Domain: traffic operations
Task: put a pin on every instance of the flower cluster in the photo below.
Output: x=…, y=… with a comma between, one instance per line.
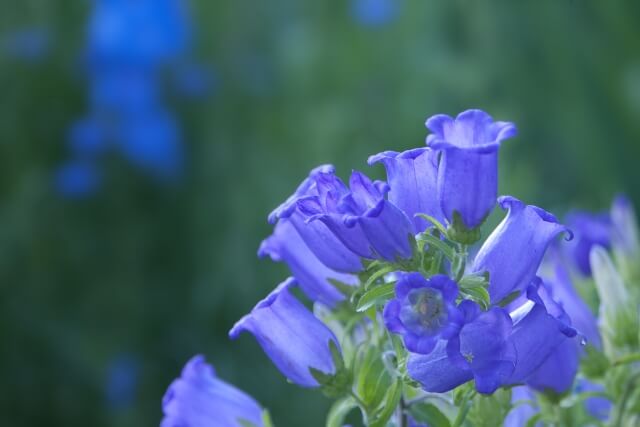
x=403, y=312
x=129, y=46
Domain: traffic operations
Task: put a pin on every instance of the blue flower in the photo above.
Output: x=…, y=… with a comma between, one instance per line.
x=319, y=239
x=557, y=372
x=152, y=142
x=523, y=408
x=598, y=407
x=374, y=13
x=199, y=399
x=361, y=217
x=468, y=172
x=582, y=318
x=285, y=244
x=122, y=91
x=293, y=338
x=412, y=176
x=423, y=311
x=480, y=351
x=88, y=137
x=514, y=250
x=145, y=32
x=77, y=179
x=589, y=230
x=540, y=326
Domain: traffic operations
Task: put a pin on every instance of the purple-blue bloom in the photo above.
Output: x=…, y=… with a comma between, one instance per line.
x=199, y=399
x=480, y=351
x=412, y=176
x=77, y=179
x=597, y=407
x=374, y=13
x=514, y=250
x=286, y=245
x=293, y=338
x=557, y=372
x=540, y=326
x=88, y=137
x=468, y=172
x=320, y=240
x=423, y=311
x=482, y=346
x=361, y=217
x=522, y=399
x=589, y=230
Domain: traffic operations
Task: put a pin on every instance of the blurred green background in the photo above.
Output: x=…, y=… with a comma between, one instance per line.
x=136, y=278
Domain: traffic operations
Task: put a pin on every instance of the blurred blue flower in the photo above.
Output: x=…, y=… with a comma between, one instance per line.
x=200, y=399
x=412, y=176
x=423, y=311
x=293, y=338
x=152, y=142
x=598, y=407
x=374, y=13
x=121, y=91
x=285, y=244
x=29, y=44
x=142, y=32
x=77, y=179
x=88, y=137
x=513, y=252
x=468, y=172
x=589, y=229
x=122, y=381
x=523, y=408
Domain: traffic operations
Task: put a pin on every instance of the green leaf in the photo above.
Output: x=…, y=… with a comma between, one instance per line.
x=378, y=274
x=376, y=295
x=437, y=243
x=339, y=410
x=266, y=419
x=430, y=414
x=344, y=288
x=474, y=281
x=372, y=378
x=433, y=221
x=389, y=405
x=479, y=295
x=533, y=420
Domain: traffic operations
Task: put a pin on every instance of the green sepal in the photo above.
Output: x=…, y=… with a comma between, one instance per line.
x=333, y=385
x=594, y=363
x=474, y=281
x=429, y=414
x=458, y=232
x=377, y=295
x=439, y=226
x=490, y=410
x=339, y=410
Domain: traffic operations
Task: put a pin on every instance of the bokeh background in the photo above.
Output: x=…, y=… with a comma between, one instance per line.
x=143, y=143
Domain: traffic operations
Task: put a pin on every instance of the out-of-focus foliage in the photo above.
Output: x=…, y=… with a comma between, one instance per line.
x=104, y=298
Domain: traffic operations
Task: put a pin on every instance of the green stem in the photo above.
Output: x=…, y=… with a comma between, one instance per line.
x=619, y=414
x=629, y=358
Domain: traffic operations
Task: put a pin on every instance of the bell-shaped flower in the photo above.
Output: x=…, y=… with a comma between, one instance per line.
x=558, y=371
x=480, y=351
x=293, y=338
x=540, y=326
x=598, y=407
x=200, y=399
x=582, y=318
x=468, y=172
x=412, y=176
x=362, y=218
x=589, y=229
x=286, y=245
x=514, y=250
x=319, y=239
x=423, y=311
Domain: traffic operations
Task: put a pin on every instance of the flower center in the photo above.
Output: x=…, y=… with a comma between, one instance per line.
x=423, y=311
